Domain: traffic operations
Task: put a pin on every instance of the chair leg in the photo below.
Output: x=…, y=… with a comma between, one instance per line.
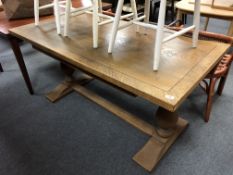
x=115, y=25
x=147, y=11
x=100, y=6
x=210, y=95
x=196, y=22
x=1, y=69
x=95, y=23
x=36, y=12
x=57, y=16
x=159, y=35
x=184, y=18
x=151, y=10
x=67, y=17
x=135, y=12
x=154, y=12
x=173, y=10
x=222, y=83
x=206, y=23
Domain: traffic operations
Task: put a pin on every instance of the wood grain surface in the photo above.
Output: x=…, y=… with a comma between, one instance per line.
x=206, y=10
x=130, y=65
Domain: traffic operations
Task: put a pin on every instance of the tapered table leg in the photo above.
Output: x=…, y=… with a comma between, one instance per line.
x=19, y=57
x=168, y=127
x=1, y=69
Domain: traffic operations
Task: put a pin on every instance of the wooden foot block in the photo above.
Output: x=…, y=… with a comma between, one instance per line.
x=66, y=87
x=59, y=92
x=157, y=146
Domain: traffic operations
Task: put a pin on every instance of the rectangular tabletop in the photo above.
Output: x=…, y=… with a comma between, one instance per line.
x=130, y=65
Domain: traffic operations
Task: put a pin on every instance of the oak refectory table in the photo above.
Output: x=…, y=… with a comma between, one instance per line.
x=130, y=68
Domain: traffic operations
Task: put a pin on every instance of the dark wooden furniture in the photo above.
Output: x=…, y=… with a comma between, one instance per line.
x=155, y=4
x=130, y=68
x=5, y=26
x=1, y=9
x=1, y=69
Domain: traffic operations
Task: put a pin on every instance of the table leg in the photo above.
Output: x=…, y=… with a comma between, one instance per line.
x=19, y=57
x=173, y=9
x=230, y=30
x=168, y=127
x=66, y=86
x=206, y=23
x=179, y=16
x=1, y=69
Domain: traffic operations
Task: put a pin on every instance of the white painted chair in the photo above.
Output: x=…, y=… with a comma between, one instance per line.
x=159, y=40
x=97, y=16
x=56, y=5
x=95, y=9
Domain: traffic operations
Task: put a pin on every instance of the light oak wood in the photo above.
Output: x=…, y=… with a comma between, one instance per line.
x=223, y=4
x=230, y=30
x=67, y=85
x=168, y=125
x=206, y=10
x=151, y=153
x=130, y=66
x=118, y=111
x=226, y=4
x=206, y=23
x=60, y=91
x=187, y=6
x=167, y=122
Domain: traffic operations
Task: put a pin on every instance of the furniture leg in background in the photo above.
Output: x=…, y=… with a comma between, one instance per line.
x=179, y=17
x=206, y=23
x=230, y=30
x=19, y=57
x=1, y=69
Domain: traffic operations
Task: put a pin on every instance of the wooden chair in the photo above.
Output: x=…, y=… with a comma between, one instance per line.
x=98, y=17
x=54, y=4
x=81, y=10
x=95, y=7
x=218, y=75
x=220, y=72
x=159, y=39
